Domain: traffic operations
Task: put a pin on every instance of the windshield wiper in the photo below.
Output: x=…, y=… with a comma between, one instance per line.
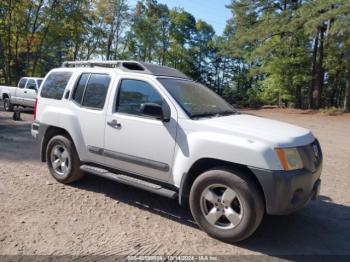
x=204, y=115
x=227, y=113
x=212, y=114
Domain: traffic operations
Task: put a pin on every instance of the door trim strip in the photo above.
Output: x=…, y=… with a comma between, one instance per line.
x=128, y=158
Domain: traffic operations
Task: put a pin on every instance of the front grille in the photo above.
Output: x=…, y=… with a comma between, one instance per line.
x=311, y=155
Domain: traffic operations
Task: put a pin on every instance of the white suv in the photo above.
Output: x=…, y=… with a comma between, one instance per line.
x=152, y=127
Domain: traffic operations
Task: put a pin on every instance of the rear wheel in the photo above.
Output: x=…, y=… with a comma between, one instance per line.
x=8, y=106
x=63, y=160
x=226, y=204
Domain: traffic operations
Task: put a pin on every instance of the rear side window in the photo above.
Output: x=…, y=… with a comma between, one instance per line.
x=22, y=83
x=79, y=89
x=96, y=91
x=39, y=82
x=55, y=85
x=91, y=90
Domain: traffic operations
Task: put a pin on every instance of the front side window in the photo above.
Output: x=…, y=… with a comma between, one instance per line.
x=196, y=99
x=134, y=93
x=55, y=84
x=22, y=83
x=31, y=84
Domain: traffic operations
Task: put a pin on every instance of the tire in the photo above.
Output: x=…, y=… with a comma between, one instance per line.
x=63, y=160
x=234, y=211
x=8, y=106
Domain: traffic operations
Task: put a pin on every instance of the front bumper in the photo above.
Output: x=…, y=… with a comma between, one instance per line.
x=288, y=191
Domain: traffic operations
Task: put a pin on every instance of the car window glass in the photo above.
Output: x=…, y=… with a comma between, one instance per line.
x=96, y=91
x=133, y=93
x=55, y=84
x=39, y=82
x=31, y=84
x=196, y=99
x=79, y=89
x=22, y=83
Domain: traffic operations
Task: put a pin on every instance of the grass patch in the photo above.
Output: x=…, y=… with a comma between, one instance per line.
x=331, y=111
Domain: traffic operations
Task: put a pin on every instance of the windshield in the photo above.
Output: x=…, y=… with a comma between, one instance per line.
x=196, y=99
x=39, y=82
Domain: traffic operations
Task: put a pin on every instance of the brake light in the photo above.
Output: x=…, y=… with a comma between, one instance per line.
x=35, y=105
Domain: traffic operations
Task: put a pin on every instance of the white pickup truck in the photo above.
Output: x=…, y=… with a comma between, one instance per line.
x=24, y=94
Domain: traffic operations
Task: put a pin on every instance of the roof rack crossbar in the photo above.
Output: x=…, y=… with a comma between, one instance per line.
x=129, y=66
x=91, y=63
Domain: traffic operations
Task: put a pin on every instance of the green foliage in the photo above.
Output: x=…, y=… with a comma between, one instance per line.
x=275, y=52
x=331, y=111
x=296, y=50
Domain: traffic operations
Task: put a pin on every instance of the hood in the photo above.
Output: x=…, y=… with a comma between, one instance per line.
x=275, y=133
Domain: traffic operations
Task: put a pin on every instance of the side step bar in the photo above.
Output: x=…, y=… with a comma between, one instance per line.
x=132, y=181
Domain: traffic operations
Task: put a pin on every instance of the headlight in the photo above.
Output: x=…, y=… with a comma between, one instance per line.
x=289, y=158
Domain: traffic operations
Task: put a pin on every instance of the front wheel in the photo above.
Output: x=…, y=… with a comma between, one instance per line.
x=8, y=106
x=226, y=204
x=63, y=160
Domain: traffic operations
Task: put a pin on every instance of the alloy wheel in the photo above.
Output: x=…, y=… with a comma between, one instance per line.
x=60, y=160
x=221, y=206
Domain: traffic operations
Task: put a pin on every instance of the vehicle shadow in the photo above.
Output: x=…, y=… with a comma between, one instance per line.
x=322, y=228
x=165, y=207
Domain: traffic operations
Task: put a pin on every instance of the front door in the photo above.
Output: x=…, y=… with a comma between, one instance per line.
x=19, y=93
x=136, y=143
x=29, y=93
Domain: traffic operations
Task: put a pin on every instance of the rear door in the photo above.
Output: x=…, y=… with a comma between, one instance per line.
x=29, y=93
x=88, y=102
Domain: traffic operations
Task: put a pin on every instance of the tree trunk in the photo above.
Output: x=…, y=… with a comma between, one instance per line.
x=38, y=51
x=332, y=98
x=298, y=98
x=34, y=28
x=111, y=32
x=313, y=72
x=317, y=94
x=347, y=91
x=9, y=47
x=17, y=73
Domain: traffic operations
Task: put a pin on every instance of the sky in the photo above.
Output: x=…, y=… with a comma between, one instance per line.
x=213, y=12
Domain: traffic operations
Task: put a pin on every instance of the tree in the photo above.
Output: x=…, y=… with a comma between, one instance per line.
x=182, y=28
x=115, y=16
x=272, y=51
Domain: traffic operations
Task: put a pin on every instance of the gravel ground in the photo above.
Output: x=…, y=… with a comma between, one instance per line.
x=101, y=217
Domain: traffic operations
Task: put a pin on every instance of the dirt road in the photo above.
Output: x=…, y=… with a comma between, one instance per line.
x=101, y=217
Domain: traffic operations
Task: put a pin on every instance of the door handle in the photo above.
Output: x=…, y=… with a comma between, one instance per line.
x=114, y=123
x=25, y=92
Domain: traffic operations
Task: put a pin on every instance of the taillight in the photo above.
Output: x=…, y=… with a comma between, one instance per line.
x=35, y=105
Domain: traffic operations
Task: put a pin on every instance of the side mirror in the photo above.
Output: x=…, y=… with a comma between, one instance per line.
x=156, y=111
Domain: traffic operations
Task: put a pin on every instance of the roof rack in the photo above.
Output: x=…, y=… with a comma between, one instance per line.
x=130, y=66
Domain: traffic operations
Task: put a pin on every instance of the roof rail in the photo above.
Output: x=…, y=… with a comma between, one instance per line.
x=130, y=66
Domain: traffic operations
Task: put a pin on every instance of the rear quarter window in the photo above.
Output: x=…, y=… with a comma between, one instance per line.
x=55, y=84
x=96, y=91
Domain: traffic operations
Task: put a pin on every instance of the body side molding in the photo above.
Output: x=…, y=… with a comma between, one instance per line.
x=128, y=158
